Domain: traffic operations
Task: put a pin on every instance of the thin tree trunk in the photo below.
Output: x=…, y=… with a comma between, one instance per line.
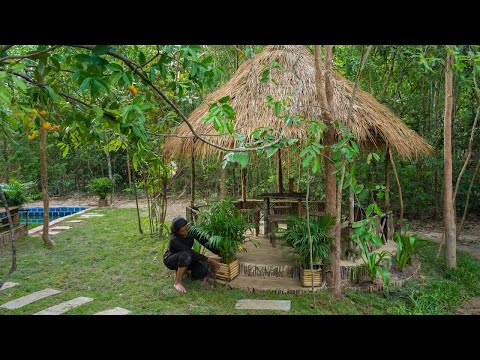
x=460, y=227
x=338, y=233
x=12, y=239
x=469, y=154
x=138, y=210
x=129, y=173
x=310, y=243
x=387, y=181
x=192, y=179
x=384, y=91
x=6, y=157
x=400, y=196
x=163, y=212
x=448, y=209
x=351, y=214
x=46, y=199
x=109, y=167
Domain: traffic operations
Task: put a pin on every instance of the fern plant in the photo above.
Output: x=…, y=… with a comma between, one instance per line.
x=223, y=224
x=16, y=192
x=405, y=249
x=296, y=236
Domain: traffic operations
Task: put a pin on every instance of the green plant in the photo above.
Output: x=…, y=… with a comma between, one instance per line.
x=364, y=236
x=101, y=187
x=16, y=192
x=405, y=249
x=223, y=224
x=296, y=236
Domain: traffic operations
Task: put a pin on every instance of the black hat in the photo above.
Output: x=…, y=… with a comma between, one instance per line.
x=178, y=222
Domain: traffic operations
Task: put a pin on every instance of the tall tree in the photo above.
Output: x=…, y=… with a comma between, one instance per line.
x=448, y=210
x=324, y=94
x=46, y=199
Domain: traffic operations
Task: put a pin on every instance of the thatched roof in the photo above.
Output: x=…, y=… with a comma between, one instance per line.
x=372, y=123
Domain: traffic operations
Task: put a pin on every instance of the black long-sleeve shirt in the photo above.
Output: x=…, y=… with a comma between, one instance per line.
x=179, y=243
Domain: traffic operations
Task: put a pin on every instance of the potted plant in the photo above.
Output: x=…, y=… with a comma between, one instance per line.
x=297, y=237
x=101, y=187
x=16, y=194
x=223, y=224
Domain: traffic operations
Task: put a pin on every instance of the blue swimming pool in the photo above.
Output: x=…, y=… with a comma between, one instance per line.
x=35, y=214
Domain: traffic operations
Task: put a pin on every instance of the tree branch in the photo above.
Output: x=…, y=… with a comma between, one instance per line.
x=31, y=55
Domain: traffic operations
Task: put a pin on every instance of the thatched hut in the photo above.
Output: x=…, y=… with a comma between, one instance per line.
x=371, y=122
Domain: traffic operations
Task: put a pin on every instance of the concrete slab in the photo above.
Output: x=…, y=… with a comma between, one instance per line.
x=114, y=311
x=279, y=305
x=75, y=221
x=61, y=227
x=54, y=232
x=25, y=300
x=65, y=306
x=90, y=215
x=8, y=285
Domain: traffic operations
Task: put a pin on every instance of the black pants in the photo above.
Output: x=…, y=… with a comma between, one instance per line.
x=184, y=259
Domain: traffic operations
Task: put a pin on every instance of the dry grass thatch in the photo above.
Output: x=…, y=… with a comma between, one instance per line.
x=372, y=123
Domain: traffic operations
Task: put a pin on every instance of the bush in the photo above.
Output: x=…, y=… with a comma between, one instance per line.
x=101, y=187
x=296, y=236
x=16, y=192
x=223, y=224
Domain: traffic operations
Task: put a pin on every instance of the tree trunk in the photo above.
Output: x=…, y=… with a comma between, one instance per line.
x=43, y=164
x=243, y=175
x=12, y=239
x=138, y=209
x=129, y=172
x=400, y=196
x=448, y=209
x=109, y=167
x=387, y=181
x=6, y=179
x=192, y=179
x=460, y=227
x=323, y=95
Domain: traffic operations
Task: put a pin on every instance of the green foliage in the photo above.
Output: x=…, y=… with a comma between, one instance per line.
x=296, y=236
x=405, y=249
x=16, y=192
x=101, y=187
x=223, y=224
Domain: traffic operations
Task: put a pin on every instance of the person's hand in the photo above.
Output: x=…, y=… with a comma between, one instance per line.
x=215, y=264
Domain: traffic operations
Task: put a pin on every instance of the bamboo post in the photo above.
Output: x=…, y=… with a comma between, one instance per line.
x=280, y=172
x=192, y=179
x=243, y=173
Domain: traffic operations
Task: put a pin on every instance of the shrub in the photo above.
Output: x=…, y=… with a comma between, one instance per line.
x=296, y=236
x=101, y=187
x=223, y=224
x=16, y=192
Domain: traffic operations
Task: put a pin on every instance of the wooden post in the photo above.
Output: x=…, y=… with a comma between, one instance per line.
x=266, y=205
x=223, y=185
x=243, y=173
x=280, y=172
x=387, y=190
x=192, y=180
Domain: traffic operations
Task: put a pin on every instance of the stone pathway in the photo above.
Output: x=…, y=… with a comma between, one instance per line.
x=65, y=306
x=56, y=309
x=8, y=285
x=280, y=305
x=114, y=311
x=75, y=221
x=25, y=300
x=61, y=227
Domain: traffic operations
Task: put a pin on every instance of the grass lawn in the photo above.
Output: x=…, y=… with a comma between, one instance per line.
x=105, y=258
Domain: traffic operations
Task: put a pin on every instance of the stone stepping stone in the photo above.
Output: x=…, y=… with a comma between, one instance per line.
x=114, y=311
x=61, y=227
x=90, y=215
x=65, y=306
x=75, y=221
x=280, y=305
x=8, y=285
x=25, y=300
x=53, y=232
